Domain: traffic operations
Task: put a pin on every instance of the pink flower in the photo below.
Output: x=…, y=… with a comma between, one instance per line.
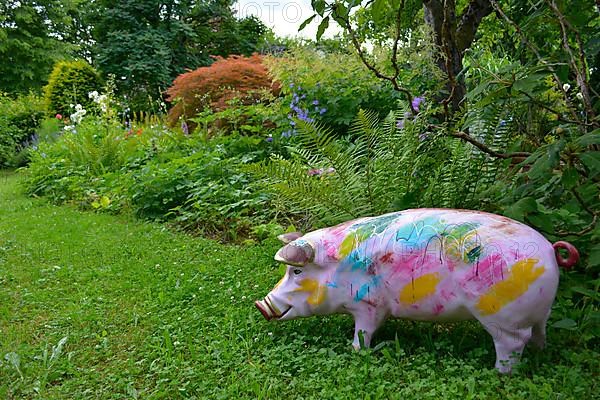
x=58, y=116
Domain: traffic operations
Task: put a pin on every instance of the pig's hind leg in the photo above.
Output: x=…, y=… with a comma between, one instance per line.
x=509, y=343
x=538, y=334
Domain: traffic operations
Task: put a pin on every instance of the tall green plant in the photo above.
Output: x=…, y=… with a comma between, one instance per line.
x=380, y=166
x=69, y=84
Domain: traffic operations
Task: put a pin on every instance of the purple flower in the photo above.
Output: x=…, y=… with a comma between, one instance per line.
x=291, y=85
x=502, y=123
x=400, y=124
x=315, y=102
x=287, y=134
x=269, y=139
x=185, y=128
x=423, y=136
x=322, y=111
x=303, y=115
x=416, y=102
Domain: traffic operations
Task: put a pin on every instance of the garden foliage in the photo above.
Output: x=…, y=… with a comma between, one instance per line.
x=244, y=79
x=69, y=84
x=146, y=44
x=32, y=39
x=330, y=87
x=156, y=174
x=379, y=166
x=353, y=136
x=19, y=119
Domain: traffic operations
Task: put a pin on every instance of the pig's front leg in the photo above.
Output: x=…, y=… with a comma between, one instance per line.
x=366, y=322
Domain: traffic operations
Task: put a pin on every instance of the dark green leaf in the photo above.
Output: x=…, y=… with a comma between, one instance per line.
x=550, y=156
x=592, y=161
x=542, y=221
x=306, y=22
x=322, y=26
x=318, y=6
x=594, y=259
x=589, y=138
x=587, y=292
x=521, y=208
x=566, y=323
x=378, y=9
x=569, y=178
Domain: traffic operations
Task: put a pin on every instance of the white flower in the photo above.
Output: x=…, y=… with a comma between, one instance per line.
x=93, y=95
x=566, y=87
x=69, y=128
x=579, y=96
x=78, y=115
x=101, y=99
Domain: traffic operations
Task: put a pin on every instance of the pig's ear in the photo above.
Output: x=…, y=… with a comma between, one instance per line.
x=297, y=253
x=290, y=237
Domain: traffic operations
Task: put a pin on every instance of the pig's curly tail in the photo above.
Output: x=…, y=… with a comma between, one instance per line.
x=573, y=254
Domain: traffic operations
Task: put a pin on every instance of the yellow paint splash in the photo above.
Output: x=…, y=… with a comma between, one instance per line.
x=317, y=293
x=522, y=274
x=352, y=241
x=420, y=288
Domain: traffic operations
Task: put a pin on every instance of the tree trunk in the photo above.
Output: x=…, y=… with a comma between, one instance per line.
x=452, y=36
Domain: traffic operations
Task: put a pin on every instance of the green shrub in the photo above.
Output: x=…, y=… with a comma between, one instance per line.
x=380, y=166
x=195, y=182
x=204, y=189
x=76, y=163
x=69, y=84
x=19, y=119
x=329, y=87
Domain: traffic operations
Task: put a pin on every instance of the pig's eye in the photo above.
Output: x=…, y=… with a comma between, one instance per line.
x=297, y=271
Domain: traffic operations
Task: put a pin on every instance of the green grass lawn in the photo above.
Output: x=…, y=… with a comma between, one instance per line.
x=95, y=306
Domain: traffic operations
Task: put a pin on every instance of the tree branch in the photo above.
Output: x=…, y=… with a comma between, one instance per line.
x=580, y=70
x=361, y=54
x=484, y=148
x=397, y=41
x=535, y=51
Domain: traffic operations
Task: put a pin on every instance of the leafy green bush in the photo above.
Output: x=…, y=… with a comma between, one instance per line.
x=329, y=87
x=380, y=166
x=69, y=84
x=195, y=182
x=205, y=190
x=75, y=164
x=19, y=119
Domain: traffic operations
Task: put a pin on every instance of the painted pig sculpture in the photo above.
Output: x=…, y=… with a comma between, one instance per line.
x=428, y=265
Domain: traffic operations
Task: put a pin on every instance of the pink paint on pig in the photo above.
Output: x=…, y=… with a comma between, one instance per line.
x=428, y=265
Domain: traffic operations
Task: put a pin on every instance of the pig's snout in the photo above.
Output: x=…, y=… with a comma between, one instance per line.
x=264, y=309
x=268, y=309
